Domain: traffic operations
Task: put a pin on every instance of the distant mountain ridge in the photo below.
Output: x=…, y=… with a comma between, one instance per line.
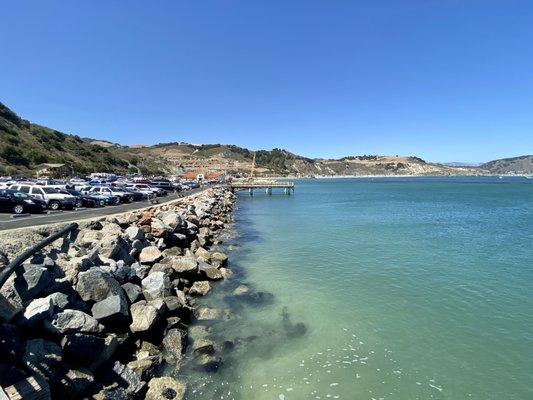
x=514, y=165
x=24, y=145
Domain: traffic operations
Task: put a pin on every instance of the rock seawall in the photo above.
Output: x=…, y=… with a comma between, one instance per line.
x=104, y=312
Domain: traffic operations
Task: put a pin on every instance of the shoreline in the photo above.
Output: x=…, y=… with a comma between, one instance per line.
x=106, y=311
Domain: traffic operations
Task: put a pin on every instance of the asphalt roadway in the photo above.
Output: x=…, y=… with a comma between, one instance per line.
x=8, y=222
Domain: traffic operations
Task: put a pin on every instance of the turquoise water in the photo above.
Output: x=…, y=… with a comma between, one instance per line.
x=418, y=288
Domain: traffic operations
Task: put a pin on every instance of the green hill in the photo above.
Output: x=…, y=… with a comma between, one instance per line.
x=24, y=145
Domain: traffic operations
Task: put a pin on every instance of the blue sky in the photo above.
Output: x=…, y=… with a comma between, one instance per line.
x=444, y=80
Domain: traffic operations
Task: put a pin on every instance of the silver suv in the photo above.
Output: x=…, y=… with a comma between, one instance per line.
x=53, y=198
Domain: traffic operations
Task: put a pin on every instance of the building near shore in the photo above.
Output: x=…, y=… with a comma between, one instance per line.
x=52, y=170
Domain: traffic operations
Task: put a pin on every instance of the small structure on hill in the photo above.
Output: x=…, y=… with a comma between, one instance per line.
x=52, y=170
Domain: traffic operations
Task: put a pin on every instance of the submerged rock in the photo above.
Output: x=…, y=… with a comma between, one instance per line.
x=200, y=288
x=165, y=388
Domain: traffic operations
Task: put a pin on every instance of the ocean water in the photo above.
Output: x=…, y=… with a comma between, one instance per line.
x=401, y=288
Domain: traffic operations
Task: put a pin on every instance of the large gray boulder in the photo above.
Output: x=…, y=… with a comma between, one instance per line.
x=96, y=285
x=172, y=220
x=144, y=316
x=155, y=286
x=33, y=281
x=73, y=321
x=185, y=264
x=112, y=310
x=150, y=255
x=132, y=291
x=130, y=380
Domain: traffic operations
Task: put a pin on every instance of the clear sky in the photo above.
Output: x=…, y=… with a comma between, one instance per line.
x=447, y=80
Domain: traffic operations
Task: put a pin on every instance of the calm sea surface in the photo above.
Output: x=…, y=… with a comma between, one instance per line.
x=405, y=288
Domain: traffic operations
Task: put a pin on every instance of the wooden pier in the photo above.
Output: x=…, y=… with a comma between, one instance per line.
x=268, y=186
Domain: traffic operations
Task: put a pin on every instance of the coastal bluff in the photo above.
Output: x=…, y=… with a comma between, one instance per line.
x=104, y=312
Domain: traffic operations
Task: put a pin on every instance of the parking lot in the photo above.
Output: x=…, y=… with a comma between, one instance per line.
x=7, y=221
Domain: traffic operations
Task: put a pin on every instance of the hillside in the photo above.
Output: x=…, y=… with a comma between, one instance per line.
x=24, y=145
x=514, y=165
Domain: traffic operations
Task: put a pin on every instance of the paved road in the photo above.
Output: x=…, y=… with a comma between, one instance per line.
x=7, y=222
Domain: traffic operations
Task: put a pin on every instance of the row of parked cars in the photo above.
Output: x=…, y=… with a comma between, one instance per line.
x=32, y=197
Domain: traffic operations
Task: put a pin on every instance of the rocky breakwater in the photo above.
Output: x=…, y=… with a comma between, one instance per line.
x=104, y=312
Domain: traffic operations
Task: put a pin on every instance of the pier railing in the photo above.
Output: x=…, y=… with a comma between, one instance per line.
x=250, y=185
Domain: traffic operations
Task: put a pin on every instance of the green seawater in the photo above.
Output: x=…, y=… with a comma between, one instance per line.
x=401, y=288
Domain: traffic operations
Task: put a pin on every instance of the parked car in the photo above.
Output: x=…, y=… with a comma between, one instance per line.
x=19, y=202
x=136, y=194
x=144, y=188
x=124, y=197
x=54, y=199
x=84, y=200
x=166, y=185
x=53, y=183
x=108, y=200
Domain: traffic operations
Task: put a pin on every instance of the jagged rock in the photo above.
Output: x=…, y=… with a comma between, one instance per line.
x=112, y=310
x=71, y=267
x=200, y=288
x=209, y=272
x=134, y=233
x=132, y=291
x=172, y=220
x=96, y=285
x=174, y=303
x=203, y=254
x=165, y=388
x=59, y=300
x=88, y=350
x=71, y=382
x=144, y=368
x=150, y=255
x=143, y=315
x=159, y=229
x=155, y=285
x=42, y=356
x=33, y=281
x=11, y=344
x=37, y=310
x=10, y=300
x=207, y=314
x=219, y=259
x=140, y=270
x=112, y=228
x=159, y=305
x=128, y=378
x=73, y=321
x=185, y=264
x=173, y=344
